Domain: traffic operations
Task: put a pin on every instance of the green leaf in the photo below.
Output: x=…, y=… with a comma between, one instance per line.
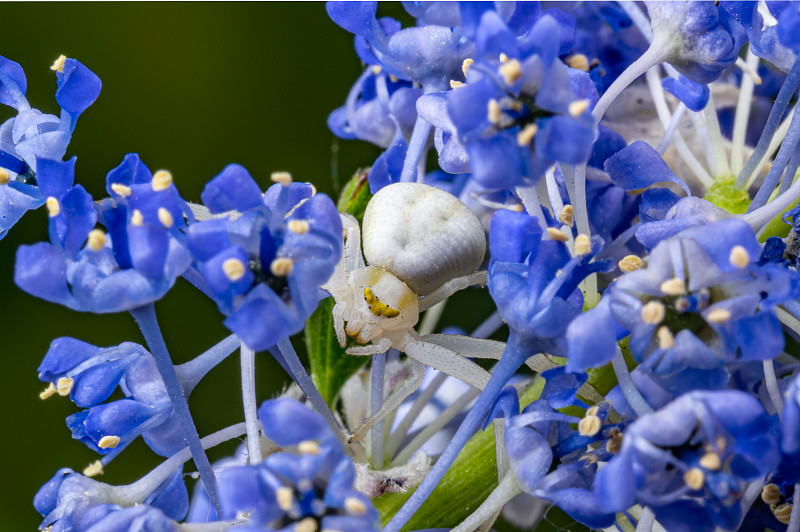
x=471, y=479
x=356, y=195
x=330, y=365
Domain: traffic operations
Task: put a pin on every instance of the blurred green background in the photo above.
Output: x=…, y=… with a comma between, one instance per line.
x=191, y=87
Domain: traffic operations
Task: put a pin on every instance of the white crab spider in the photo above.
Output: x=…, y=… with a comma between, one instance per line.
x=422, y=245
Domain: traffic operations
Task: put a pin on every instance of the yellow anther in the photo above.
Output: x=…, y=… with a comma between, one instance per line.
x=455, y=84
x=136, y=217
x=108, y=442
x=614, y=445
x=739, y=257
x=64, y=386
x=376, y=69
x=93, y=469
x=284, y=178
x=526, y=134
x=511, y=71
x=308, y=447
x=282, y=266
x=53, y=207
x=5, y=177
x=298, y=227
x=630, y=263
x=695, y=478
x=165, y=217
x=285, y=497
x=718, y=315
x=355, y=506
x=48, y=392
x=590, y=425
x=771, y=494
x=673, y=287
x=58, y=64
x=583, y=246
x=653, y=312
x=783, y=513
x=579, y=61
x=493, y=112
x=161, y=180
x=665, y=338
x=120, y=189
x=377, y=307
x=96, y=240
x=503, y=57
x=567, y=215
x=466, y=64
x=556, y=234
x=711, y=461
x=306, y=525
x=578, y=107
x=517, y=207
x=234, y=269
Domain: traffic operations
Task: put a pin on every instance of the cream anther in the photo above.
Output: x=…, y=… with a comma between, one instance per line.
x=234, y=269
x=306, y=525
x=493, y=112
x=282, y=266
x=48, y=392
x=718, y=315
x=376, y=69
x=578, y=107
x=583, y=246
x=136, y=218
x=526, y=134
x=739, y=257
x=673, y=287
x=93, y=469
x=308, y=447
x=511, y=71
x=285, y=497
x=53, y=208
x=592, y=411
x=108, y=442
x=58, y=64
x=313, y=189
x=298, y=227
x=455, y=84
x=96, y=240
x=165, y=217
x=567, y=215
x=630, y=263
x=665, y=338
x=5, y=177
x=120, y=189
x=355, y=506
x=711, y=461
x=503, y=58
x=771, y=494
x=590, y=425
x=161, y=180
x=64, y=386
x=783, y=513
x=466, y=64
x=579, y=61
x=284, y=178
x=556, y=234
x=694, y=478
x=653, y=312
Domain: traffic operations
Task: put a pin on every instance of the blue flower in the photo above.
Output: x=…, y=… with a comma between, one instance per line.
x=700, y=303
x=264, y=268
x=32, y=136
x=136, y=263
x=690, y=461
x=309, y=482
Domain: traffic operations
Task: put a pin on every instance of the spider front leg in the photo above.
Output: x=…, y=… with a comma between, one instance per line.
x=451, y=287
x=380, y=346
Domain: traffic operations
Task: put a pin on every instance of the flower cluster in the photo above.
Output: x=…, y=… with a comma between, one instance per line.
x=637, y=360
